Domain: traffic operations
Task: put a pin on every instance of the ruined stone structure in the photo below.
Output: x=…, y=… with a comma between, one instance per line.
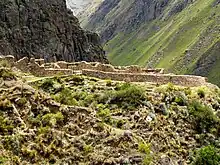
x=37, y=67
x=183, y=80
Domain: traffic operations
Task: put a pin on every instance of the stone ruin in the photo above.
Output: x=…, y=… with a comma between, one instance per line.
x=132, y=73
x=36, y=67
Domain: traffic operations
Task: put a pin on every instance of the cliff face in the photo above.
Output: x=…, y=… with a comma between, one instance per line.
x=181, y=36
x=45, y=29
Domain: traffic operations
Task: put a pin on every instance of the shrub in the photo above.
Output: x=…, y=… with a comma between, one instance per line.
x=87, y=149
x=5, y=104
x=47, y=84
x=80, y=95
x=146, y=149
x=147, y=160
x=181, y=99
x=29, y=153
x=3, y=160
x=44, y=130
x=104, y=113
x=75, y=80
x=120, y=123
x=6, y=126
x=208, y=155
x=5, y=64
x=88, y=99
x=66, y=97
x=205, y=119
x=170, y=87
x=125, y=96
x=52, y=119
x=22, y=101
x=201, y=92
x=6, y=74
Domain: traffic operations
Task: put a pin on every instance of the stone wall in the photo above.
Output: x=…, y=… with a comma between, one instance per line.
x=183, y=80
x=108, y=67
x=103, y=71
x=86, y=65
x=33, y=66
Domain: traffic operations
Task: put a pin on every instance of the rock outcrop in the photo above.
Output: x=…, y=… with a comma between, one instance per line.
x=45, y=29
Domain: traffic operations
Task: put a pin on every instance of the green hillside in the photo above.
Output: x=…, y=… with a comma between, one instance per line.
x=186, y=42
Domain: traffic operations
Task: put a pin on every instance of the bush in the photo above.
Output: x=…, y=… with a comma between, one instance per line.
x=3, y=160
x=47, y=84
x=5, y=104
x=88, y=100
x=75, y=80
x=147, y=160
x=52, y=119
x=125, y=96
x=87, y=149
x=170, y=87
x=208, y=155
x=6, y=74
x=6, y=126
x=22, y=101
x=205, y=119
x=5, y=64
x=120, y=123
x=66, y=97
x=104, y=113
x=146, y=149
x=201, y=92
x=181, y=99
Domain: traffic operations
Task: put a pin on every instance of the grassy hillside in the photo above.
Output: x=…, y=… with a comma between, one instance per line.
x=179, y=43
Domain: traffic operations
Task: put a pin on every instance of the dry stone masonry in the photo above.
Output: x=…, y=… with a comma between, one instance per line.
x=38, y=67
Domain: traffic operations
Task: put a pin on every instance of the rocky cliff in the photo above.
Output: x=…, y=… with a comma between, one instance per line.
x=45, y=29
x=181, y=36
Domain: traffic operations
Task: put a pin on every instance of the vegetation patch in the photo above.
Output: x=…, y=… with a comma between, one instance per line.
x=126, y=96
x=208, y=155
x=65, y=96
x=6, y=74
x=204, y=117
x=146, y=149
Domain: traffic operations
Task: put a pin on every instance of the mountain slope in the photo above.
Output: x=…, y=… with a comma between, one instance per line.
x=174, y=34
x=83, y=8
x=77, y=6
x=46, y=29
